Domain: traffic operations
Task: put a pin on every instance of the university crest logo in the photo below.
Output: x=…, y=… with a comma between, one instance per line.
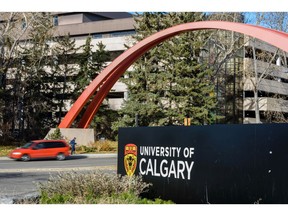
x=130, y=158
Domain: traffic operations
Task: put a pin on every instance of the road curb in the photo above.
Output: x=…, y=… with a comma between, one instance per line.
x=97, y=155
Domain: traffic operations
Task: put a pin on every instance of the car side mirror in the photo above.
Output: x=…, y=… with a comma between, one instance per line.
x=34, y=148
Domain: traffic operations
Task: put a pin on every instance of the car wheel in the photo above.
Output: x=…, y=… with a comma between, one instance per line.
x=60, y=156
x=25, y=157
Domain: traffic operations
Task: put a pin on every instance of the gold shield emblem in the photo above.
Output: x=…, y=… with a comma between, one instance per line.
x=130, y=158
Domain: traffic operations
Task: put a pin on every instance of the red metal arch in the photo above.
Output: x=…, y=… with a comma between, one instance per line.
x=109, y=76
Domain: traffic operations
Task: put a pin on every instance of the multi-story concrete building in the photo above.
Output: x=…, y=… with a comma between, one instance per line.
x=271, y=82
x=235, y=81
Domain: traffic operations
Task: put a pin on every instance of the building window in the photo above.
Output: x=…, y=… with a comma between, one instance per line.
x=113, y=34
x=55, y=20
x=97, y=36
x=122, y=33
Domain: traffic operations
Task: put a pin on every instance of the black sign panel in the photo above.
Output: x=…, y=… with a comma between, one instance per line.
x=209, y=164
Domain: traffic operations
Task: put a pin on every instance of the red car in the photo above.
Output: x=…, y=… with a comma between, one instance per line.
x=36, y=149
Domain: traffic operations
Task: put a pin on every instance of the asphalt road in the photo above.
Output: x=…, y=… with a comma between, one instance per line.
x=19, y=179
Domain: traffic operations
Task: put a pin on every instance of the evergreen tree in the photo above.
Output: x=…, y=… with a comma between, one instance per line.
x=188, y=87
x=170, y=81
x=143, y=95
x=91, y=63
x=56, y=135
x=64, y=69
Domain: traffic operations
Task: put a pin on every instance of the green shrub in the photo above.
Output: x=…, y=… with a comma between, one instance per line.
x=4, y=150
x=98, y=146
x=94, y=187
x=56, y=135
x=106, y=146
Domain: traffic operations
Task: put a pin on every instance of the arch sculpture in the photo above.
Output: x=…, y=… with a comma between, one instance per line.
x=109, y=76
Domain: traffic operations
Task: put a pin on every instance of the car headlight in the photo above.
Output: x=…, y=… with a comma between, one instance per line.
x=16, y=153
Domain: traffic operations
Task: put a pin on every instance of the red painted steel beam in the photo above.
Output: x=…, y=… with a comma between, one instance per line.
x=109, y=76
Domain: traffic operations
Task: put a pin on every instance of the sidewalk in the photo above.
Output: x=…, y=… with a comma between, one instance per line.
x=100, y=155
x=103, y=155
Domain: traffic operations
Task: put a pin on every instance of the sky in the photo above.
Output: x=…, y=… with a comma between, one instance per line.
x=146, y=5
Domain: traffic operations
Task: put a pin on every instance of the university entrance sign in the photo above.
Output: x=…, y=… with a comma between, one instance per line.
x=209, y=164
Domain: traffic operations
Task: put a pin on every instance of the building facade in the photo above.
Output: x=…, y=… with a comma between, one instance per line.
x=270, y=80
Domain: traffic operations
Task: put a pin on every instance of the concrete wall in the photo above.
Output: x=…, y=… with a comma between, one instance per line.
x=93, y=27
x=83, y=136
x=70, y=19
x=266, y=85
x=266, y=104
x=259, y=44
x=273, y=70
x=111, y=43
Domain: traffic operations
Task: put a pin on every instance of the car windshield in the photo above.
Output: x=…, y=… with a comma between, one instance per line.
x=27, y=145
